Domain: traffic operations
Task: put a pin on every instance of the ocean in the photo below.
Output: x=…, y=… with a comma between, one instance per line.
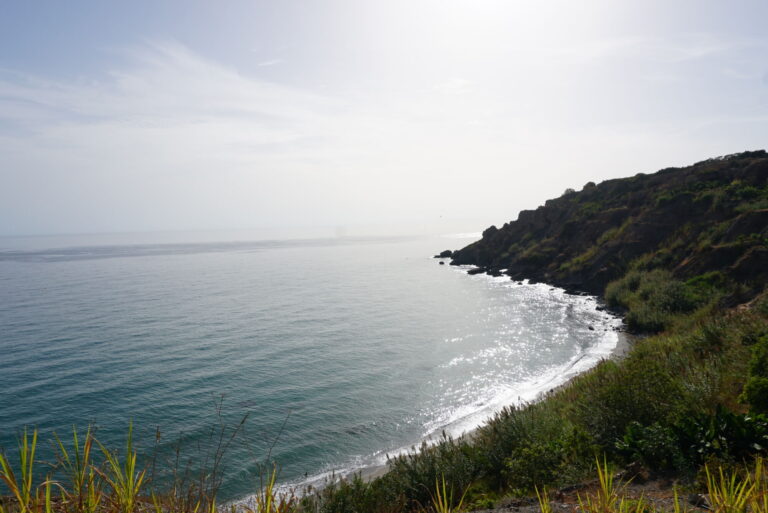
x=336, y=352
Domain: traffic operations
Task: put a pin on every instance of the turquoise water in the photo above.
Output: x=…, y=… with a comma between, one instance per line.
x=339, y=351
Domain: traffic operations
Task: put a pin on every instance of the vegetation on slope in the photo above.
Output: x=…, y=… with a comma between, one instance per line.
x=710, y=216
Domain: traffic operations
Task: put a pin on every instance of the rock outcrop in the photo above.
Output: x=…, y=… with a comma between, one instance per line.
x=711, y=216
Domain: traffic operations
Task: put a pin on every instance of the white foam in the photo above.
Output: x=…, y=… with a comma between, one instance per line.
x=469, y=417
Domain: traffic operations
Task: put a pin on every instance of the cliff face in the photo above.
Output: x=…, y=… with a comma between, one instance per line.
x=711, y=216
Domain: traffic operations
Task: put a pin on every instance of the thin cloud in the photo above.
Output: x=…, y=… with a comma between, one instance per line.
x=270, y=62
x=167, y=87
x=454, y=86
x=167, y=139
x=670, y=49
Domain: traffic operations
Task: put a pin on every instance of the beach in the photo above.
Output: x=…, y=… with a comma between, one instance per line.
x=623, y=344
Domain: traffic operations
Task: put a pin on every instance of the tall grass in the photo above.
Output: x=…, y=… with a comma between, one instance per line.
x=545, y=505
x=20, y=484
x=738, y=491
x=85, y=490
x=610, y=497
x=272, y=500
x=124, y=478
x=729, y=494
x=444, y=500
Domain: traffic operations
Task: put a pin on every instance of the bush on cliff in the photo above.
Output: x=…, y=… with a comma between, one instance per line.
x=652, y=299
x=755, y=391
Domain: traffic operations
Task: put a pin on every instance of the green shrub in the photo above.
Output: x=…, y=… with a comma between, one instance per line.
x=352, y=496
x=413, y=475
x=618, y=293
x=755, y=393
x=655, y=446
x=675, y=297
x=725, y=435
x=646, y=319
x=708, y=338
x=589, y=208
x=691, y=441
x=758, y=364
x=641, y=389
x=750, y=206
x=512, y=432
x=653, y=298
x=533, y=464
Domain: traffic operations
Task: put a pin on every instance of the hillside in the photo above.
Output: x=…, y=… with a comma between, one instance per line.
x=711, y=216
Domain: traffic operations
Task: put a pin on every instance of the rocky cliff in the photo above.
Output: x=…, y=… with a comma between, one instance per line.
x=711, y=216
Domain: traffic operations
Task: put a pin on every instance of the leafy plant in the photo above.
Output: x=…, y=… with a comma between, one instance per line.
x=443, y=500
x=270, y=500
x=610, y=497
x=545, y=505
x=655, y=446
x=124, y=478
x=85, y=491
x=724, y=434
x=21, y=488
x=729, y=494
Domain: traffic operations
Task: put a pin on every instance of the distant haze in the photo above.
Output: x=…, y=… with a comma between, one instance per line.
x=348, y=117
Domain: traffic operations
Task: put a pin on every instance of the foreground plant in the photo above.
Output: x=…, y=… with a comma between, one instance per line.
x=443, y=498
x=271, y=500
x=86, y=490
x=21, y=488
x=124, y=478
x=544, y=503
x=610, y=497
x=758, y=502
x=734, y=493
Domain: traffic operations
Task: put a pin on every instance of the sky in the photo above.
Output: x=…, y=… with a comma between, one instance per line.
x=357, y=116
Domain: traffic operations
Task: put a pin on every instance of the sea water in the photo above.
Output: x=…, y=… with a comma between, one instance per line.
x=336, y=352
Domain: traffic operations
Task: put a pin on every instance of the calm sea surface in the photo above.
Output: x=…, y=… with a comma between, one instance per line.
x=339, y=351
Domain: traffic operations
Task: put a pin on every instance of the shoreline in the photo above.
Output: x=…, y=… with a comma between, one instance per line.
x=624, y=343
x=623, y=346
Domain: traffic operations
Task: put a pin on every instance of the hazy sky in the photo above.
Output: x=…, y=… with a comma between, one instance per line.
x=178, y=115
